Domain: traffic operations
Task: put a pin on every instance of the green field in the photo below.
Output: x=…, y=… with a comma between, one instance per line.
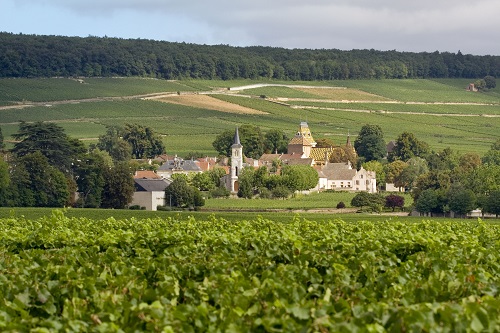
x=187, y=129
x=13, y=91
x=191, y=274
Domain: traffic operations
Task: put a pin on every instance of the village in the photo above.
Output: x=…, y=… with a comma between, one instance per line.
x=150, y=185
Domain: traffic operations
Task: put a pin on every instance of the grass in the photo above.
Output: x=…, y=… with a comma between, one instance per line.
x=187, y=129
x=45, y=90
x=278, y=217
x=322, y=200
x=416, y=90
x=462, y=109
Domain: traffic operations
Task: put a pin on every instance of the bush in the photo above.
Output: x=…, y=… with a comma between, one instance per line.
x=264, y=193
x=341, y=205
x=220, y=192
x=137, y=207
x=281, y=192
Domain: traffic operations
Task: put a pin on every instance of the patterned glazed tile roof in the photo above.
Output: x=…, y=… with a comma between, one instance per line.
x=300, y=140
x=320, y=154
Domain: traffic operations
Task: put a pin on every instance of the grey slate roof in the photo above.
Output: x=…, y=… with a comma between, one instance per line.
x=186, y=165
x=338, y=171
x=151, y=185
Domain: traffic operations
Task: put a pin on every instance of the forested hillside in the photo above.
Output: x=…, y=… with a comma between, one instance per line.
x=49, y=56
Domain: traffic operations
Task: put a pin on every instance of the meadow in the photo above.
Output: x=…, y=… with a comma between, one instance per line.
x=85, y=109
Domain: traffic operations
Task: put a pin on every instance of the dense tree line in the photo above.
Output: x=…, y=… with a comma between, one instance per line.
x=439, y=181
x=49, y=56
x=47, y=168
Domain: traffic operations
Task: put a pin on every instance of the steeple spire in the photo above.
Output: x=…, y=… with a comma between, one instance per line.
x=236, y=140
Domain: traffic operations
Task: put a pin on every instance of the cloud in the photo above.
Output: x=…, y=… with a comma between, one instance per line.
x=424, y=25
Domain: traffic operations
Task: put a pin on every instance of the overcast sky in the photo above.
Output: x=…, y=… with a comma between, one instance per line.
x=471, y=26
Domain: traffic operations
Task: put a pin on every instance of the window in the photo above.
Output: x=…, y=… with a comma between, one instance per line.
x=357, y=182
x=361, y=176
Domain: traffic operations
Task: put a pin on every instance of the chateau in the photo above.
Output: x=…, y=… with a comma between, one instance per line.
x=302, y=150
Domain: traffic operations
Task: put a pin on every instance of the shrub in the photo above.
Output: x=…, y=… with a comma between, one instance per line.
x=220, y=192
x=264, y=193
x=341, y=205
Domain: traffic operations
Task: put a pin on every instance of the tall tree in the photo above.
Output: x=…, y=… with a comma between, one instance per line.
x=408, y=146
x=4, y=182
x=180, y=194
x=394, y=173
x=37, y=183
x=275, y=141
x=144, y=141
x=461, y=201
x=89, y=173
x=299, y=177
x=2, y=143
x=370, y=144
x=416, y=166
x=492, y=156
x=113, y=143
x=379, y=171
x=492, y=203
x=118, y=186
x=50, y=140
x=427, y=201
x=251, y=139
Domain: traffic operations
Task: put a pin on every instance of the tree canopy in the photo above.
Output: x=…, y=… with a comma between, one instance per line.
x=49, y=56
x=370, y=144
x=50, y=140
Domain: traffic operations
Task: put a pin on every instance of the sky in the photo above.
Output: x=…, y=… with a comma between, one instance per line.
x=469, y=26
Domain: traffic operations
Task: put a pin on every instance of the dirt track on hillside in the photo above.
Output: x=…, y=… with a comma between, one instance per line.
x=207, y=102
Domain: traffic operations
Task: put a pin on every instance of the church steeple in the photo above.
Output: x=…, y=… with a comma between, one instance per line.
x=348, y=143
x=236, y=161
x=236, y=140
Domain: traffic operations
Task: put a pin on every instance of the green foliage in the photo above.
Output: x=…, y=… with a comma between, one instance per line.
x=379, y=171
x=492, y=203
x=203, y=182
x=2, y=143
x=461, y=201
x=299, y=177
x=408, y=146
x=246, y=183
x=180, y=194
x=118, y=186
x=372, y=200
x=113, y=143
x=281, y=192
x=26, y=56
x=492, y=156
x=275, y=141
x=34, y=182
x=144, y=141
x=490, y=82
x=370, y=144
x=220, y=192
x=50, y=140
x=89, y=173
x=251, y=139
x=427, y=201
x=188, y=275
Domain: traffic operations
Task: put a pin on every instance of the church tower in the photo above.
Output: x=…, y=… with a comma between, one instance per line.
x=236, y=161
